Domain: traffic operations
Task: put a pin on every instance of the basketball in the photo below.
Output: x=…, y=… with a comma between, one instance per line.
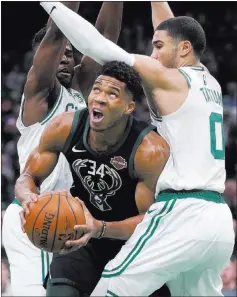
x=51, y=220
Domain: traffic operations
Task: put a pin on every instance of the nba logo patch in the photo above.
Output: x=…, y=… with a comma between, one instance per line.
x=118, y=162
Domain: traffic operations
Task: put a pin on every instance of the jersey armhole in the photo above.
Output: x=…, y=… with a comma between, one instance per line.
x=186, y=76
x=57, y=103
x=76, y=119
x=144, y=132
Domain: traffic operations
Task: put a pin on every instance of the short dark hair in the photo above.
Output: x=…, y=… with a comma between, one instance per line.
x=121, y=71
x=186, y=28
x=38, y=37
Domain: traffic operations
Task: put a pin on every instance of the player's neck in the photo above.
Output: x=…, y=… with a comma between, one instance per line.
x=189, y=61
x=105, y=140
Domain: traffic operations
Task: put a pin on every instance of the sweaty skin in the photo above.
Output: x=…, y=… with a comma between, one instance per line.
x=150, y=158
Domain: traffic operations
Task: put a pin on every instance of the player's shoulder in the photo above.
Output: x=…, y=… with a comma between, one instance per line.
x=152, y=154
x=196, y=74
x=153, y=146
x=61, y=122
x=56, y=132
x=214, y=81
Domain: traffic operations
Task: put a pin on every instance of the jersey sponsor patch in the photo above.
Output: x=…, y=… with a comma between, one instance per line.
x=118, y=162
x=101, y=182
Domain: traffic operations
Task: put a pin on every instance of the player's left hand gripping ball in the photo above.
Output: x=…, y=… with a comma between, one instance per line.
x=92, y=229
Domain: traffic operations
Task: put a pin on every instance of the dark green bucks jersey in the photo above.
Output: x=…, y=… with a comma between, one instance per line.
x=105, y=182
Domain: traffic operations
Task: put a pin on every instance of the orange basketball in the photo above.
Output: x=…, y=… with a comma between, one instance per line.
x=51, y=220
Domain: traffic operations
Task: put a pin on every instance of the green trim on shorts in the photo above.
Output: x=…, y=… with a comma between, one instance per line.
x=199, y=194
x=44, y=256
x=54, y=109
x=107, y=273
x=15, y=201
x=47, y=259
x=42, y=266
x=186, y=76
x=110, y=293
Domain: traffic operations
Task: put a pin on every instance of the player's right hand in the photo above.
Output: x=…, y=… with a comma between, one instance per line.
x=28, y=199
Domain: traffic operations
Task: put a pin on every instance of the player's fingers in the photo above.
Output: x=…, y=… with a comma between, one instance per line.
x=26, y=209
x=79, y=242
x=34, y=198
x=82, y=228
x=65, y=251
x=75, y=248
x=23, y=221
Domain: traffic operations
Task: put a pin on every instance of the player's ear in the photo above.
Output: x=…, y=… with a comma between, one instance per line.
x=130, y=107
x=184, y=47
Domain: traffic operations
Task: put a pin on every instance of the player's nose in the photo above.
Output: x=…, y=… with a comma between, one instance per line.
x=64, y=60
x=154, y=54
x=100, y=99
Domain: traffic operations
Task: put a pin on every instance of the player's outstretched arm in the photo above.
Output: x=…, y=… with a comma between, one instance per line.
x=90, y=42
x=108, y=23
x=41, y=77
x=160, y=12
x=43, y=159
x=84, y=36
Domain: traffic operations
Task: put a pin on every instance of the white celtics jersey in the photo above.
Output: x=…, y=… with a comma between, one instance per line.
x=61, y=177
x=195, y=135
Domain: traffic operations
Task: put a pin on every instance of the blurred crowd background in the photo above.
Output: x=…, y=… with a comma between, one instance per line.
x=219, y=20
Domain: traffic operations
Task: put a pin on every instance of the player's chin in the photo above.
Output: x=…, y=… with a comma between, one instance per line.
x=97, y=128
x=98, y=125
x=65, y=80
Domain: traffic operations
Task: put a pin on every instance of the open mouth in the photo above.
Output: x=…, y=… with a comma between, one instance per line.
x=64, y=71
x=97, y=115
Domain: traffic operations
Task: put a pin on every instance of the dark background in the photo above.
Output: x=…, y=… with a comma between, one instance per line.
x=21, y=20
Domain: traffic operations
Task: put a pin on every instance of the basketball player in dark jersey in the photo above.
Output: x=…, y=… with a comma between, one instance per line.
x=54, y=84
x=115, y=162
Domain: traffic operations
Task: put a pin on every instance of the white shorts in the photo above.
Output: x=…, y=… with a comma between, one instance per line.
x=184, y=243
x=28, y=264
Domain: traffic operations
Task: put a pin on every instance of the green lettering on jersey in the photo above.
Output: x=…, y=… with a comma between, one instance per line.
x=211, y=95
x=71, y=107
x=217, y=153
x=203, y=90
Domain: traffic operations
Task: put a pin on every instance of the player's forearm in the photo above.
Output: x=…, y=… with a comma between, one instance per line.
x=73, y=5
x=160, y=12
x=49, y=54
x=85, y=37
x=109, y=20
x=25, y=186
x=54, y=34
x=123, y=229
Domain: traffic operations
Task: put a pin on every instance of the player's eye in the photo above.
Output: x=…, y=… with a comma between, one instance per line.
x=69, y=55
x=96, y=89
x=113, y=95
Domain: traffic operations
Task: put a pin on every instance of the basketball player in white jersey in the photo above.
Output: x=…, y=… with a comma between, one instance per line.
x=54, y=85
x=186, y=237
